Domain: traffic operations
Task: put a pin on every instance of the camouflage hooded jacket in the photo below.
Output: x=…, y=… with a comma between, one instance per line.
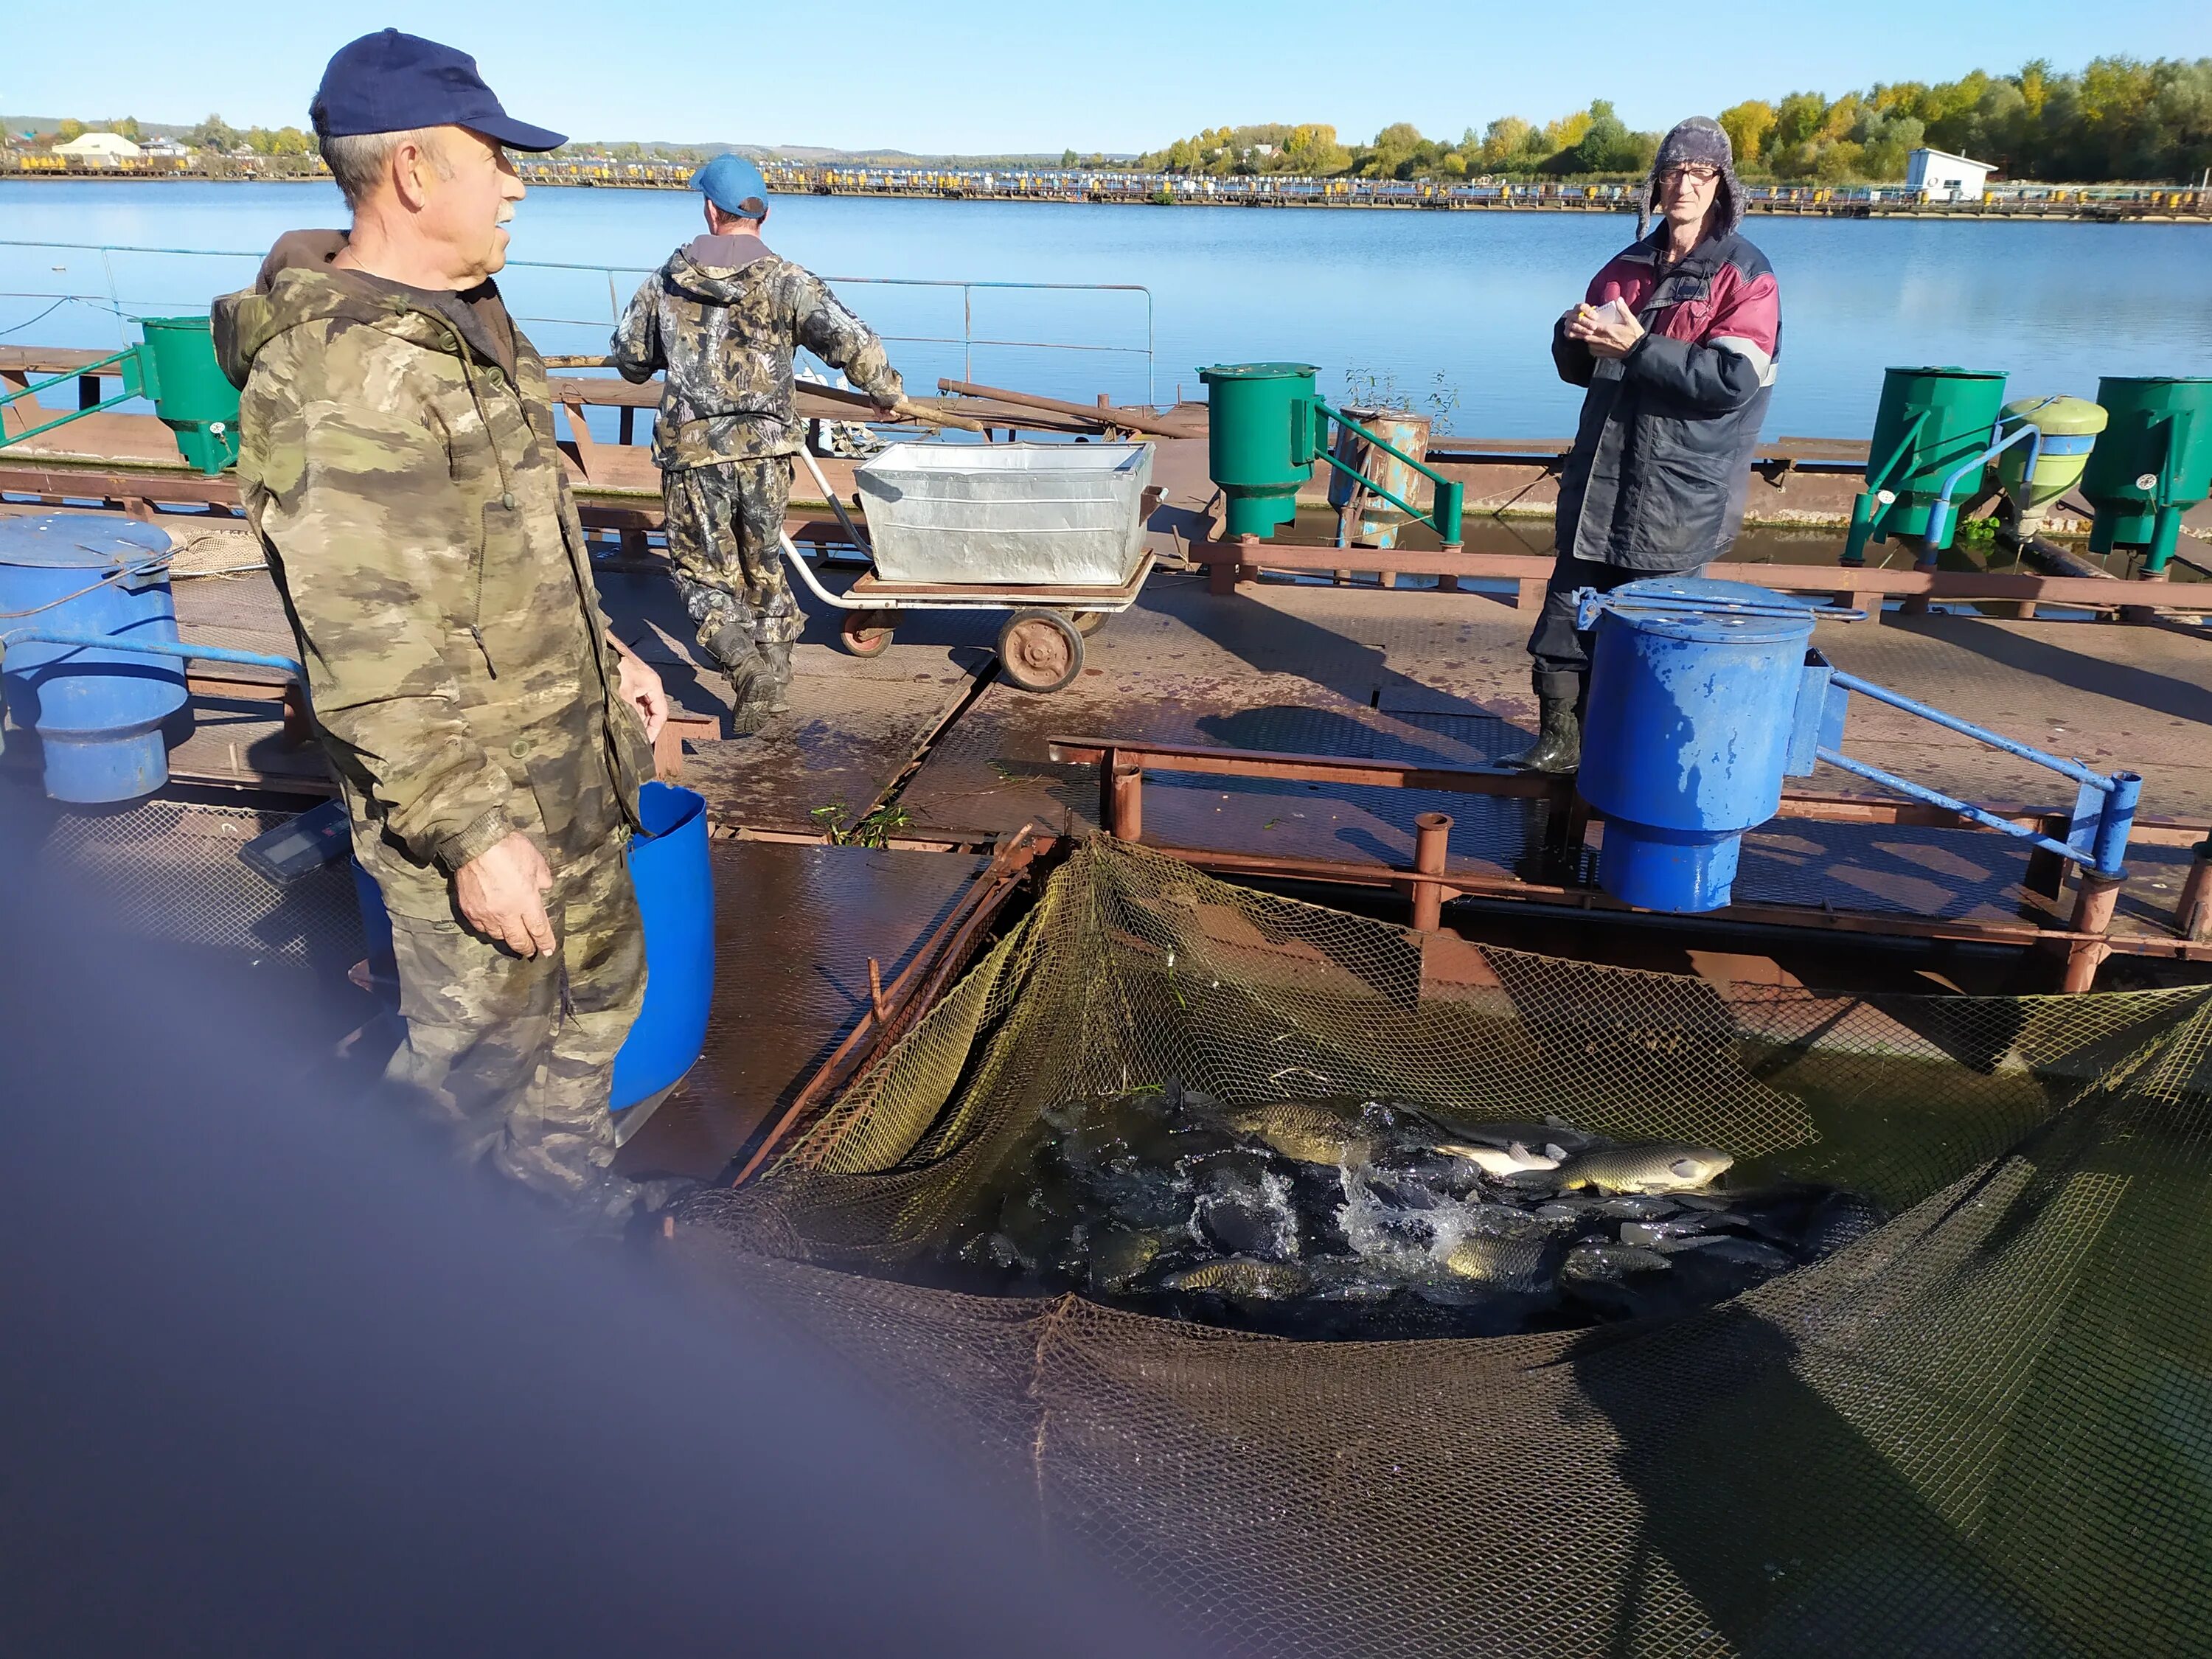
x=725, y=336
x=408, y=497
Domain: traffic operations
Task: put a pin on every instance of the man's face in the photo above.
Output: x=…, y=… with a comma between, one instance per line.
x=466, y=211
x=1687, y=192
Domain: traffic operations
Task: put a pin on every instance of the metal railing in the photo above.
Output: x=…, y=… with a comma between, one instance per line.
x=112, y=298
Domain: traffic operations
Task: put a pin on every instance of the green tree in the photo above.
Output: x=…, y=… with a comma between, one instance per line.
x=68, y=130
x=1395, y=149
x=1609, y=146
x=1312, y=148
x=1797, y=118
x=216, y=134
x=1747, y=125
x=1504, y=143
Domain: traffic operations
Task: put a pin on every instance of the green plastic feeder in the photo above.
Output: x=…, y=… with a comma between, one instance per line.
x=2067, y=429
x=1930, y=423
x=173, y=366
x=1260, y=421
x=2152, y=465
x=192, y=396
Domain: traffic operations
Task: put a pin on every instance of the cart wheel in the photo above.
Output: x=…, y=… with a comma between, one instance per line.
x=866, y=633
x=1039, y=650
x=1088, y=622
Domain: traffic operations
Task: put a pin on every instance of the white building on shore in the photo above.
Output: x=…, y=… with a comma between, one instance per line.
x=100, y=148
x=1940, y=173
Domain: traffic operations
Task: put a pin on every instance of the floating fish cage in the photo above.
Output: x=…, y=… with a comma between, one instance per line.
x=1926, y=1438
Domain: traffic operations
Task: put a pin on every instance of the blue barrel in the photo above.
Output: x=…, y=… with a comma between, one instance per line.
x=675, y=883
x=1693, y=686
x=98, y=713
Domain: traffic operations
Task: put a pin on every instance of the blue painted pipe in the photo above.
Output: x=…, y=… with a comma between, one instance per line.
x=2071, y=768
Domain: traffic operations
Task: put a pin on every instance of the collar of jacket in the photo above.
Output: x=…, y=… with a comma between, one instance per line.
x=245, y=323
x=1703, y=260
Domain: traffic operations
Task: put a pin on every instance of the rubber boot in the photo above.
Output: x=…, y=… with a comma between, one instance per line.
x=1558, y=746
x=734, y=652
x=776, y=658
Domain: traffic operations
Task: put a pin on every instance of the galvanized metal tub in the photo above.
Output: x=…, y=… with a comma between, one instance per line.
x=1063, y=515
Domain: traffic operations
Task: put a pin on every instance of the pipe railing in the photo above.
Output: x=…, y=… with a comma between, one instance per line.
x=112, y=298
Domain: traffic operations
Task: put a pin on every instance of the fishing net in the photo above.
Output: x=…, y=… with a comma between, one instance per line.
x=1984, y=1428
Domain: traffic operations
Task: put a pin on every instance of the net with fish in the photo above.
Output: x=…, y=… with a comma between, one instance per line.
x=1984, y=1428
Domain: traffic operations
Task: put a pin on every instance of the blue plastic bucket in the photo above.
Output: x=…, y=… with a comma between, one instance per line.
x=1692, y=699
x=675, y=883
x=99, y=713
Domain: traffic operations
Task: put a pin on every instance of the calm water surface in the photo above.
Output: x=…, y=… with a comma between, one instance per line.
x=1408, y=296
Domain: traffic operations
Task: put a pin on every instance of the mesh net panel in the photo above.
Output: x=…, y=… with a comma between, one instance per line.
x=1984, y=1428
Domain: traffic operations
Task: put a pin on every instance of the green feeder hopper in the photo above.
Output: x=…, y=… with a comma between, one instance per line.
x=1934, y=427
x=174, y=366
x=2153, y=464
x=2038, y=471
x=1267, y=427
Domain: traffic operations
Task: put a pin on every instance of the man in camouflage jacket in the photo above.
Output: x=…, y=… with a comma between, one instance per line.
x=399, y=465
x=723, y=316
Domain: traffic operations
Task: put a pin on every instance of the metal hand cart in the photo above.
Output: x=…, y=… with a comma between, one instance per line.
x=1040, y=647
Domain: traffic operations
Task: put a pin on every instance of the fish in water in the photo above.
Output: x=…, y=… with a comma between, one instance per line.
x=1359, y=1219
x=1502, y=1264
x=1605, y=1263
x=1119, y=1257
x=1501, y=1160
x=1240, y=1279
x=1305, y=1132
x=1659, y=1166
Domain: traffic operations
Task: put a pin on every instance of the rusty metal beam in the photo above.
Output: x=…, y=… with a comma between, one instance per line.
x=1585, y=900
x=1864, y=587
x=1810, y=805
x=894, y=1009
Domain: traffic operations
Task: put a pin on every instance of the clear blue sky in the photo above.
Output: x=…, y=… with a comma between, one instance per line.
x=1129, y=74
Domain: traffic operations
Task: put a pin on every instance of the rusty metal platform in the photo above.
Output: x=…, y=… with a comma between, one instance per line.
x=795, y=929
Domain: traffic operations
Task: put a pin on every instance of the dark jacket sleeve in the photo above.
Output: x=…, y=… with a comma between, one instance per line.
x=636, y=347
x=1574, y=359
x=1709, y=378
x=1725, y=370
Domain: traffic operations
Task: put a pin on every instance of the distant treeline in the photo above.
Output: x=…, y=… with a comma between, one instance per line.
x=2119, y=118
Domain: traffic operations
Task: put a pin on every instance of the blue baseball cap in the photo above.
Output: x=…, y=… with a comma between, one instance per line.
x=393, y=83
x=734, y=185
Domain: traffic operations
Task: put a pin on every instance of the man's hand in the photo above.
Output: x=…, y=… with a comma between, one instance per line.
x=501, y=892
x=1607, y=334
x=640, y=687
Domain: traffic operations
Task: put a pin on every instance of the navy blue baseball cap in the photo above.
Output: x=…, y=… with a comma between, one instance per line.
x=730, y=182
x=393, y=83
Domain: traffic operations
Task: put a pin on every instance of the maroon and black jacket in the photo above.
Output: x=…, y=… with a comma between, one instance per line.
x=1663, y=458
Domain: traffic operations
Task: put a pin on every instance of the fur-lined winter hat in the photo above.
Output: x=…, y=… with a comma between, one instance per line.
x=1696, y=140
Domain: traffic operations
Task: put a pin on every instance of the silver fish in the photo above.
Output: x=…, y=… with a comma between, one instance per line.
x=1501, y=1160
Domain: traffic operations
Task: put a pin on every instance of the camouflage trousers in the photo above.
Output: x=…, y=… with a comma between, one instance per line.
x=725, y=525
x=514, y=1056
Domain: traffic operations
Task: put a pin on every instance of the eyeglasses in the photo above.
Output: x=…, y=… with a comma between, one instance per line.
x=1696, y=173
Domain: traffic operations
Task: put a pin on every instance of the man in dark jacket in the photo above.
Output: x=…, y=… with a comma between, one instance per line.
x=723, y=316
x=1676, y=340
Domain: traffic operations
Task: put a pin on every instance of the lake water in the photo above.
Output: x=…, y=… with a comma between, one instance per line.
x=1460, y=302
